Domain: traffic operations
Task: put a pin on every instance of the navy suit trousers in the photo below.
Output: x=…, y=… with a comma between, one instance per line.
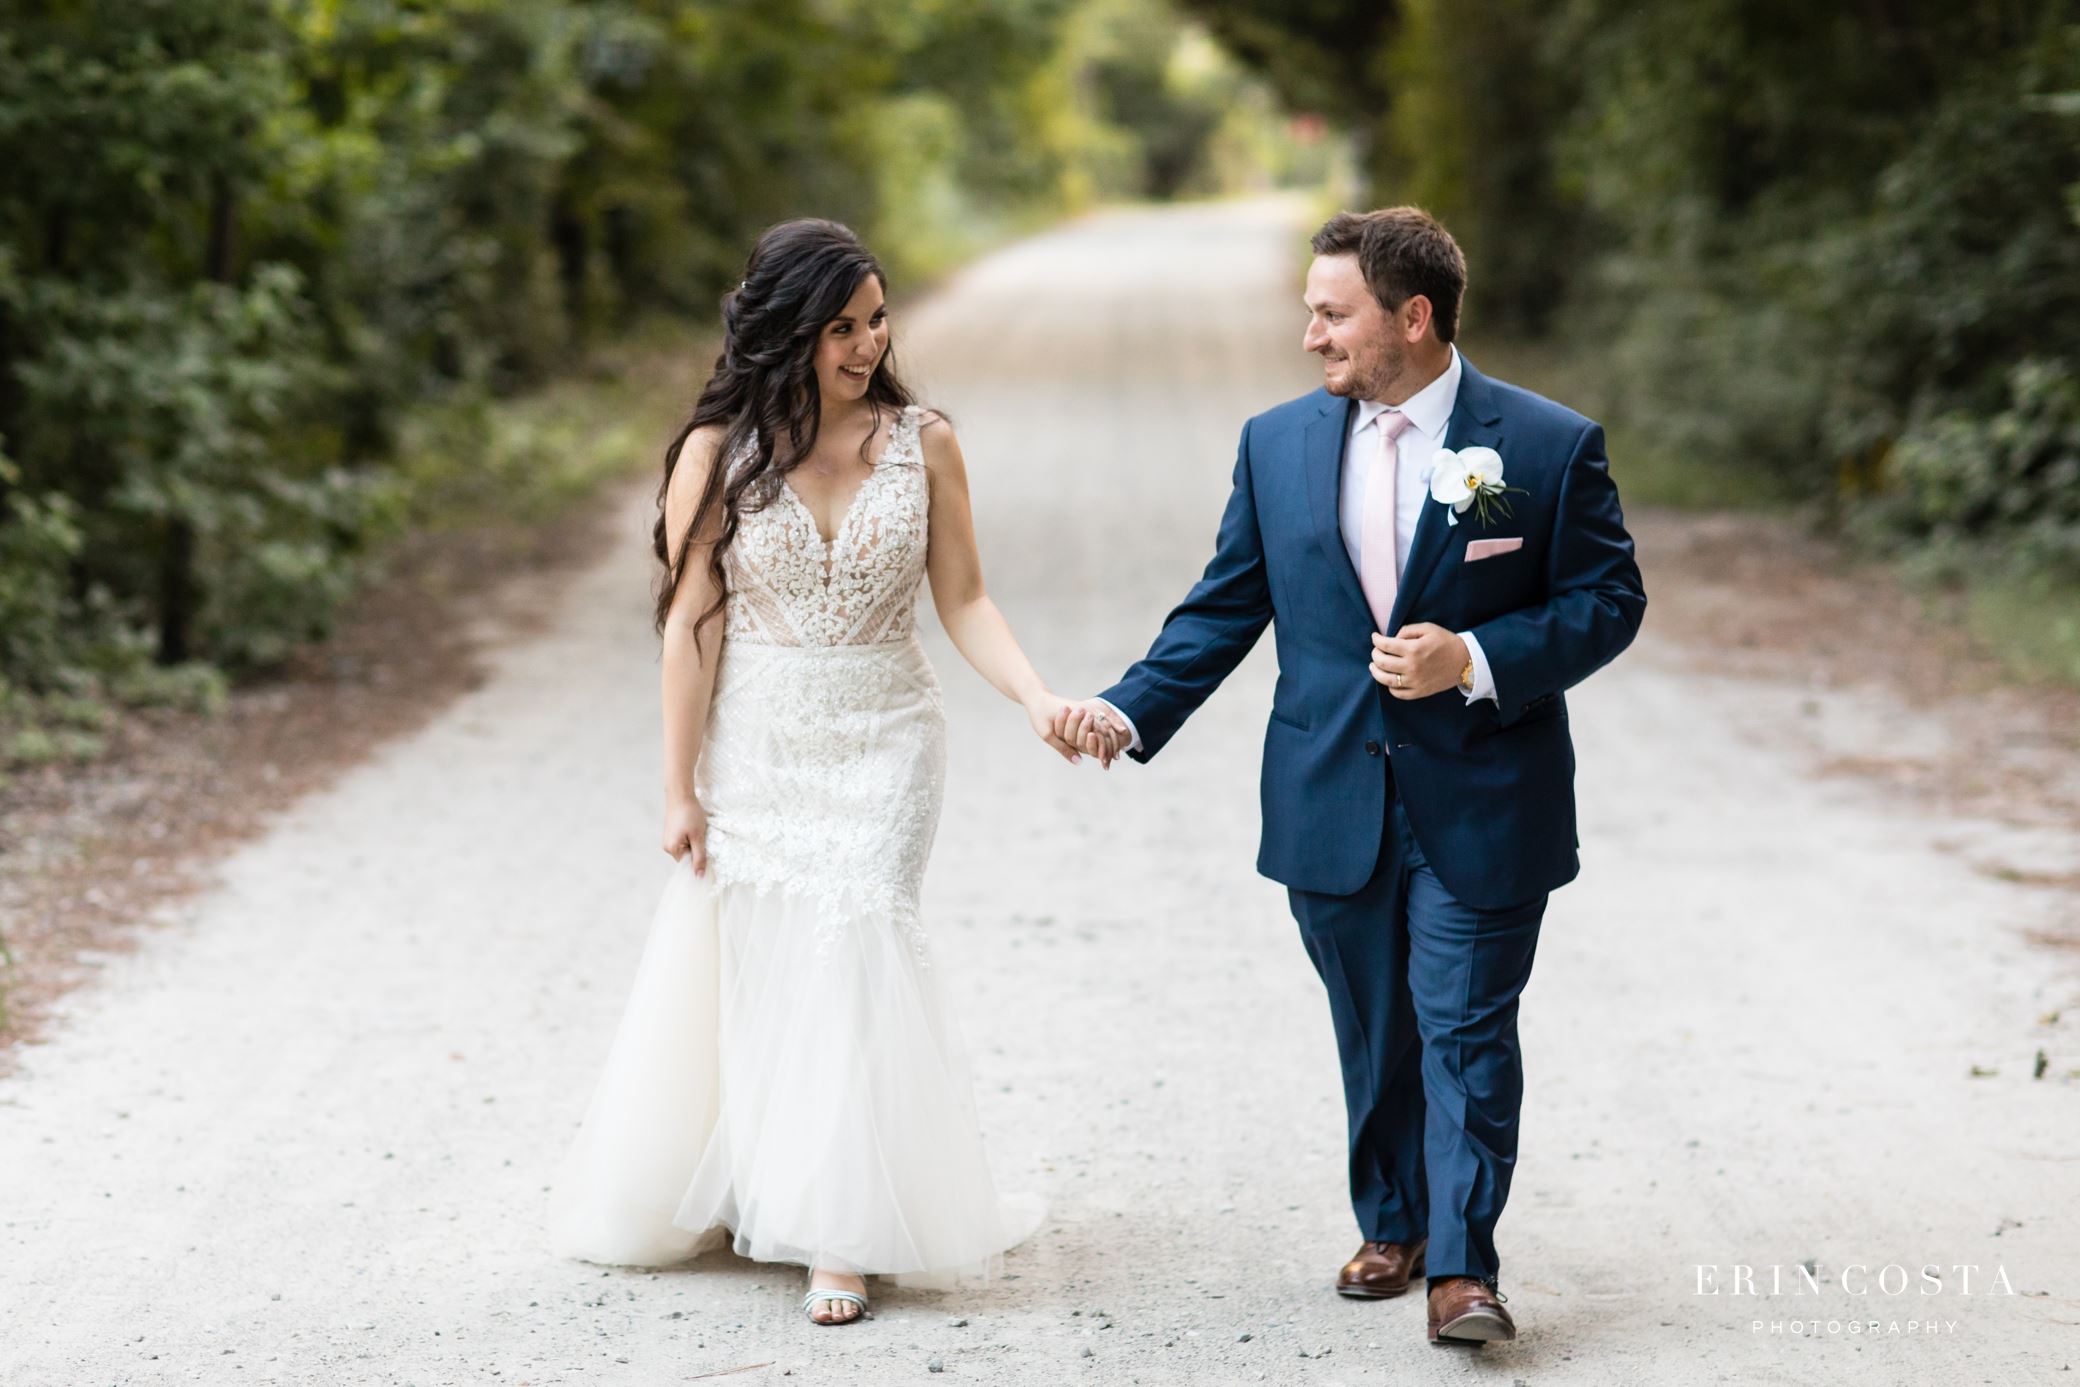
x=1423, y=992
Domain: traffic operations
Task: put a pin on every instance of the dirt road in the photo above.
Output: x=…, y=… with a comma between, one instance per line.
x=303, y=1134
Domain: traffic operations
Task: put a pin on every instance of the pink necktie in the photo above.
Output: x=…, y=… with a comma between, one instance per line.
x=1379, y=569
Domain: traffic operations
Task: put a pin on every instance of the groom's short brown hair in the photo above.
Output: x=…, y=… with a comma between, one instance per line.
x=1402, y=251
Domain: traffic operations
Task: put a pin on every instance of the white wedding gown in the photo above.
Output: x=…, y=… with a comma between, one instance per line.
x=787, y=1070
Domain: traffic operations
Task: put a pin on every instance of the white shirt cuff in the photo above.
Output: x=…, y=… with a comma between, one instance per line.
x=1134, y=745
x=1483, y=679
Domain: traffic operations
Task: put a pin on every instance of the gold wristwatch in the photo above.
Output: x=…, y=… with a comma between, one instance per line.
x=1466, y=675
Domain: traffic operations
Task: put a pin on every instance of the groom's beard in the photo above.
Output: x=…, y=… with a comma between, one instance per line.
x=1382, y=377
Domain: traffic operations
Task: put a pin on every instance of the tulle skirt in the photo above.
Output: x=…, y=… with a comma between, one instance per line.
x=785, y=1076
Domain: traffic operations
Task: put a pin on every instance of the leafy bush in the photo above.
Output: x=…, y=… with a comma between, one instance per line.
x=40, y=537
x=2004, y=485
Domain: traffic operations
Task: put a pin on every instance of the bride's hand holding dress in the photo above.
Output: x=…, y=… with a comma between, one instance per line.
x=686, y=831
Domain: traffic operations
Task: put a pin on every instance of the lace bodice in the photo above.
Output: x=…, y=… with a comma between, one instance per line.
x=787, y=587
x=824, y=763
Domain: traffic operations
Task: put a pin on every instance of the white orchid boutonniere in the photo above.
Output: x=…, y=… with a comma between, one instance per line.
x=1471, y=477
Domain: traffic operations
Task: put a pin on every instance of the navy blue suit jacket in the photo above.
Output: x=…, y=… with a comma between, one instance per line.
x=1488, y=786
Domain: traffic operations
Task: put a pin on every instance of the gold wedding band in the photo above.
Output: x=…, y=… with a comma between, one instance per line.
x=1401, y=680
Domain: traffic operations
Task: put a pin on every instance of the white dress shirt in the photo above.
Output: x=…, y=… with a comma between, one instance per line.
x=1429, y=413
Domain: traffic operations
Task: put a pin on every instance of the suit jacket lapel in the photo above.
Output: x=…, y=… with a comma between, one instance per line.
x=1473, y=424
x=1323, y=446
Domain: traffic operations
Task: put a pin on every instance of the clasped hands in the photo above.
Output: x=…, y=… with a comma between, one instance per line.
x=1076, y=728
x=1421, y=660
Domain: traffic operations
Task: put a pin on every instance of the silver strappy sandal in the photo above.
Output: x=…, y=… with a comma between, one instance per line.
x=845, y=1297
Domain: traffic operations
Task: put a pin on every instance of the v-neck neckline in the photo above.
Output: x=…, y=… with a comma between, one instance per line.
x=830, y=545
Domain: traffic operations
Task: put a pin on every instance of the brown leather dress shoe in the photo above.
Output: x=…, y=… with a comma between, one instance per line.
x=1466, y=1310
x=1381, y=1271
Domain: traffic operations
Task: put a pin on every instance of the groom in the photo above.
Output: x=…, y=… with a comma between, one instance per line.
x=1417, y=791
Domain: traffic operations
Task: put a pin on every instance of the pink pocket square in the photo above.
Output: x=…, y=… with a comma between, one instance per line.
x=1489, y=548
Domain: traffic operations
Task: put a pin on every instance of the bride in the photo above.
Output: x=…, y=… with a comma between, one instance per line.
x=787, y=1069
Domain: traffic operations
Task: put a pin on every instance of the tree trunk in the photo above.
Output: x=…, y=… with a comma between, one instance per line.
x=178, y=595
x=176, y=591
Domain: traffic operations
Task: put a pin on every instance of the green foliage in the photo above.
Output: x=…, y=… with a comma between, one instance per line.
x=1824, y=229
x=1967, y=261
x=280, y=282
x=40, y=538
x=1323, y=55
x=166, y=415
x=1158, y=110
x=2003, y=485
x=1468, y=135
x=1787, y=249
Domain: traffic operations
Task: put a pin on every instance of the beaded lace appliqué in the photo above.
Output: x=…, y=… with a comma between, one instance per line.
x=786, y=587
x=824, y=764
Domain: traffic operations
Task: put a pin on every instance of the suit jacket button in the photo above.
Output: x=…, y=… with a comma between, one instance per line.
x=1372, y=748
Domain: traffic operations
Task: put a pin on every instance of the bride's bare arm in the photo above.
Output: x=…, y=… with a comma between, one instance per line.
x=978, y=630
x=690, y=648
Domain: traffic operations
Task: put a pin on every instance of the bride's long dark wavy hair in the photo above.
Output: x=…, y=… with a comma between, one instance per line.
x=801, y=275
